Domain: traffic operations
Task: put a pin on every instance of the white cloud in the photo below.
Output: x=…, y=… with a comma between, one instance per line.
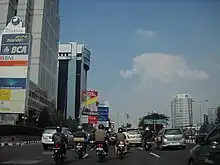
x=145, y=33
x=163, y=68
x=218, y=66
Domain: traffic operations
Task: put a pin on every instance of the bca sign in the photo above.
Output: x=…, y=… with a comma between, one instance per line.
x=14, y=50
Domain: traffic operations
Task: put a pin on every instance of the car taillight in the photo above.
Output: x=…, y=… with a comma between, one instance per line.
x=100, y=145
x=57, y=145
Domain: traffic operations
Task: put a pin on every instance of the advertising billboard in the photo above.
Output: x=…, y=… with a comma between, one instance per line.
x=14, y=66
x=103, y=117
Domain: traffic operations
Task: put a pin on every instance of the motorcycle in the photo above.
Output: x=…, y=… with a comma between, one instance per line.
x=100, y=152
x=58, y=155
x=148, y=145
x=121, y=149
x=79, y=150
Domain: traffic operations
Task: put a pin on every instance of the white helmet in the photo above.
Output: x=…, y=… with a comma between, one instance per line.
x=147, y=129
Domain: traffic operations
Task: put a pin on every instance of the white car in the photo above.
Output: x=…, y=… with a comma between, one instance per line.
x=133, y=136
x=48, y=132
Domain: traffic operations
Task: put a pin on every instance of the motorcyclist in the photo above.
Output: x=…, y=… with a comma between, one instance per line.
x=147, y=135
x=92, y=139
x=120, y=136
x=102, y=137
x=81, y=134
x=60, y=138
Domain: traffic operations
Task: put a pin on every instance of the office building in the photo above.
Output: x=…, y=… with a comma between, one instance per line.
x=212, y=114
x=41, y=19
x=181, y=111
x=73, y=65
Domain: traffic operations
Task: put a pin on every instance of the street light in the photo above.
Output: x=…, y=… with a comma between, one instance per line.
x=200, y=108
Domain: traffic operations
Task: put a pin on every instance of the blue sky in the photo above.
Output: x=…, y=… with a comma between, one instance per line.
x=145, y=52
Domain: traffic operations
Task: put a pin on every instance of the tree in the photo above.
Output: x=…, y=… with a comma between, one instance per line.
x=44, y=118
x=218, y=115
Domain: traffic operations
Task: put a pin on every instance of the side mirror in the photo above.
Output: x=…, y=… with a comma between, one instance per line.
x=200, y=139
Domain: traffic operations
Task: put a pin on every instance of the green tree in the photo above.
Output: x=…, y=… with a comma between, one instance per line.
x=44, y=118
x=218, y=115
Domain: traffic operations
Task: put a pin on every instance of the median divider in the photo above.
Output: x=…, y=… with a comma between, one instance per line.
x=16, y=135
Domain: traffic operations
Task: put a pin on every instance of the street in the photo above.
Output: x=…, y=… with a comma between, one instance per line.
x=34, y=154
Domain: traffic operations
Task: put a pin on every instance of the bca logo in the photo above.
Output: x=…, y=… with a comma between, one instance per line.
x=16, y=49
x=19, y=50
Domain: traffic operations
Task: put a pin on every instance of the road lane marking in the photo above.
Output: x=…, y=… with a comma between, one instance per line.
x=22, y=162
x=151, y=153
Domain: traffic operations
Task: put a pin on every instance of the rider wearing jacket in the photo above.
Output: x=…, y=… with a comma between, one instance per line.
x=60, y=138
x=147, y=135
x=80, y=134
x=102, y=137
x=120, y=136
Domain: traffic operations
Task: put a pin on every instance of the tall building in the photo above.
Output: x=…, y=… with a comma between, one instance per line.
x=212, y=114
x=41, y=19
x=181, y=111
x=73, y=65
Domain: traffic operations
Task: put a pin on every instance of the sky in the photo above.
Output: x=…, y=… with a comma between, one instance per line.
x=145, y=52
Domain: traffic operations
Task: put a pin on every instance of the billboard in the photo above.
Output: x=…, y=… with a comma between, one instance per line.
x=103, y=117
x=14, y=67
x=89, y=107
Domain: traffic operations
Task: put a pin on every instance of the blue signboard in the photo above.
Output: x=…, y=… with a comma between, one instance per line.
x=103, y=113
x=14, y=49
x=12, y=83
x=103, y=118
x=15, y=39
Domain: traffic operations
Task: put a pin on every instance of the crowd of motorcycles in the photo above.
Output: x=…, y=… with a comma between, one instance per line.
x=122, y=148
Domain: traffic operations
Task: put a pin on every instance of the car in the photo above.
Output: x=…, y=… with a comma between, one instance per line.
x=207, y=150
x=170, y=137
x=47, y=134
x=133, y=136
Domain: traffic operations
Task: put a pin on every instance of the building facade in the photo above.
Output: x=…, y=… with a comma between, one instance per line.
x=73, y=65
x=212, y=114
x=41, y=19
x=181, y=111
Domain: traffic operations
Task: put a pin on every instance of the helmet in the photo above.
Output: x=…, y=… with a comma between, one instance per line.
x=101, y=126
x=58, y=129
x=79, y=127
x=120, y=129
x=147, y=129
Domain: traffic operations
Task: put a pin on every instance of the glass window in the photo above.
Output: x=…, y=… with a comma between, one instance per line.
x=215, y=136
x=172, y=132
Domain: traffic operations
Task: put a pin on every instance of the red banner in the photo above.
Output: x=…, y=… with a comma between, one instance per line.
x=92, y=119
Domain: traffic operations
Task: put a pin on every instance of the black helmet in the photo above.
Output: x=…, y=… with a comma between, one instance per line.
x=120, y=129
x=58, y=129
x=101, y=126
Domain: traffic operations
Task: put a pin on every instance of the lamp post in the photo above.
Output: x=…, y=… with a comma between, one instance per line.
x=200, y=108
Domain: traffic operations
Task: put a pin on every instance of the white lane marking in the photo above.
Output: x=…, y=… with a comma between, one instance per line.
x=151, y=153
x=140, y=148
x=21, y=162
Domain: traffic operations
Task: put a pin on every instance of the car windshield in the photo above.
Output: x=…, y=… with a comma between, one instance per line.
x=173, y=132
x=133, y=131
x=49, y=131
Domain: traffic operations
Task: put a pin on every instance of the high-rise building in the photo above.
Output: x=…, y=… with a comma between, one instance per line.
x=212, y=114
x=41, y=19
x=74, y=63
x=181, y=111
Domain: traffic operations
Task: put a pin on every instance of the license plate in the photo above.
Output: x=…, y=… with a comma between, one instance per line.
x=99, y=149
x=79, y=146
x=56, y=151
x=121, y=145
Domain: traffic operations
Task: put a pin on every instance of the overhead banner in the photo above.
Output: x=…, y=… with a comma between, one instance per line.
x=14, y=67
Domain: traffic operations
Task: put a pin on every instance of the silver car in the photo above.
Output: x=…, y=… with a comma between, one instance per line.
x=170, y=137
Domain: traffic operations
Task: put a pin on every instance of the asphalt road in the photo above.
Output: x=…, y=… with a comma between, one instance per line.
x=33, y=154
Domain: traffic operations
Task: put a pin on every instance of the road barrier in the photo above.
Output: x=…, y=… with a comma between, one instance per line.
x=18, y=133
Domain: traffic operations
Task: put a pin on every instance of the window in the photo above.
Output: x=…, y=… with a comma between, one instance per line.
x=215, y=136
x=173, y=132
